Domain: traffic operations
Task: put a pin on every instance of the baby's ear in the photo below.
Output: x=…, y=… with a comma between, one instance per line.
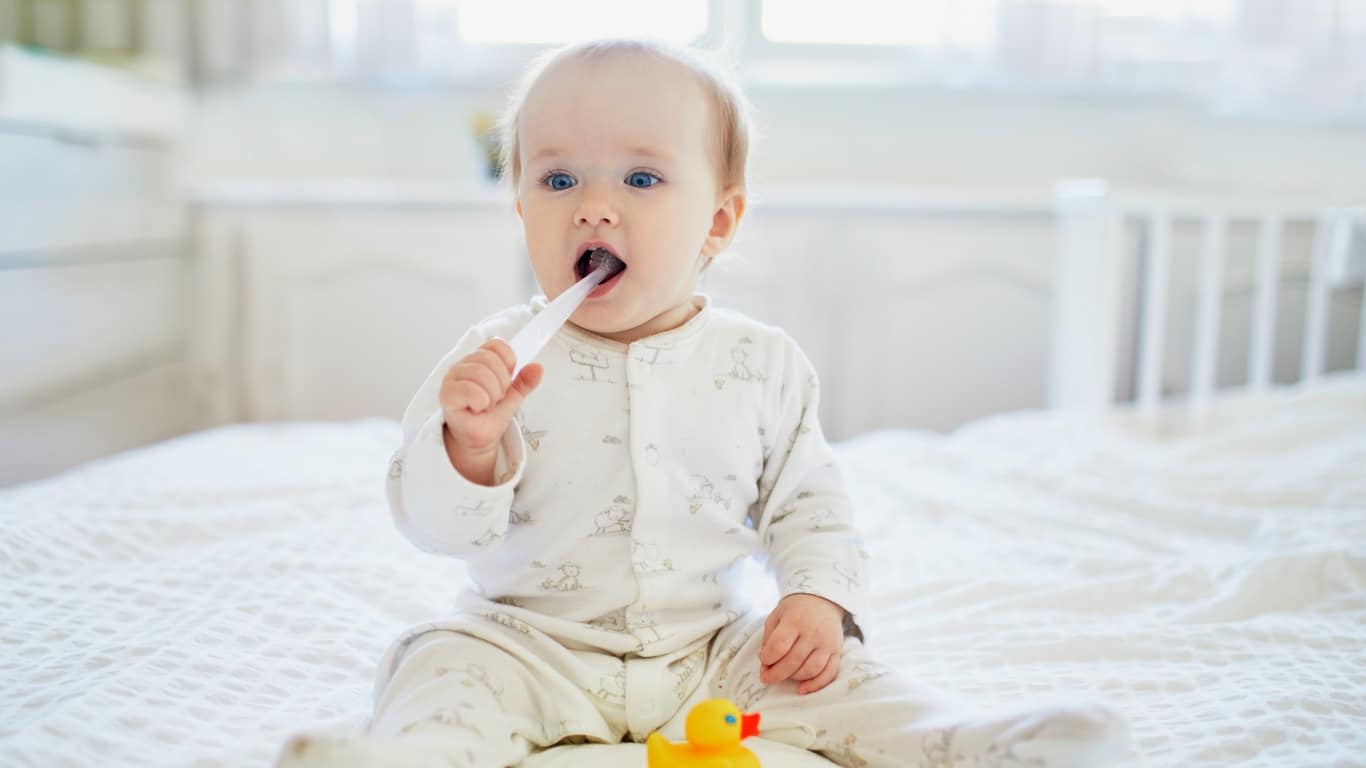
x=725, y=221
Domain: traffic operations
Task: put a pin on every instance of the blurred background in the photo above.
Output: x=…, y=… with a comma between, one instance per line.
x=215, y=211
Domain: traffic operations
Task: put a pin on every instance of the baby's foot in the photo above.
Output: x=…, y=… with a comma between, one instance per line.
x=307, y=751
x=1066, y=734
x=310, y=751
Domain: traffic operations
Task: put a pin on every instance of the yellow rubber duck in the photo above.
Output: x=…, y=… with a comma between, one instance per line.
x=714, y=729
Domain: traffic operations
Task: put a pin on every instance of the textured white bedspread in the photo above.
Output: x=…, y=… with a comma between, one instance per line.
x=194, y=602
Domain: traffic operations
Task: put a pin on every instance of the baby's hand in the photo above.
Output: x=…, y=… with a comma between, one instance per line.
x=803, y=640
x=479, y=399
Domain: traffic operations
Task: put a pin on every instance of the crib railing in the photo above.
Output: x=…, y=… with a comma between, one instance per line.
x=1095, y=259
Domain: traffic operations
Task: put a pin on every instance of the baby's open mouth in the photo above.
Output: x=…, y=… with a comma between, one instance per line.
x=593, y=258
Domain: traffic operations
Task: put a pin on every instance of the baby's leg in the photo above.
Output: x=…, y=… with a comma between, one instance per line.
x=456, y=699
x=871, y=716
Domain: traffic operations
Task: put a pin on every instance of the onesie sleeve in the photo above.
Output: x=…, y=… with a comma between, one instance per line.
x=433, y=505
x=805, y=519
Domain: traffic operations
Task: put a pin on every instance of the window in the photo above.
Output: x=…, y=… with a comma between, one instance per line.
x=1162, y=10
x=1294, y=59
x=963, y=23
x=557, y=21
x=1124, y=29
x=1291, y=58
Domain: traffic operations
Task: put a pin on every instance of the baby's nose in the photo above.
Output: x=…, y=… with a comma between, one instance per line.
x=597, y=217
x=596, y=210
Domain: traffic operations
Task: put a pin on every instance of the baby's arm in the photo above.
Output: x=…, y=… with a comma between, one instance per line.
x=805, y=524
x=434, y=505
x=805, y=520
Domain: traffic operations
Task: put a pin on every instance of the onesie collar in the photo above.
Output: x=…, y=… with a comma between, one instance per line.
x=683, y=335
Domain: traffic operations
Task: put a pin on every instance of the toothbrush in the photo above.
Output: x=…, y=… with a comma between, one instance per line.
x=527, y=343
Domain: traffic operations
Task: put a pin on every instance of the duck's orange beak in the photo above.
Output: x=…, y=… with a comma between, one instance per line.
x=749, y=725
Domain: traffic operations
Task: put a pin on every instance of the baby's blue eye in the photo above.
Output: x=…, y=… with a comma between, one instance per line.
x=642, y=179
x=559, y=181
x=730, y=719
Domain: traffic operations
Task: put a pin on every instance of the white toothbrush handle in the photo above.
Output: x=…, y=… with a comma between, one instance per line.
x=527, y=343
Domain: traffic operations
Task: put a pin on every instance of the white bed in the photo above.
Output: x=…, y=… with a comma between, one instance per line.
x=194, y=602
x=1200, y=565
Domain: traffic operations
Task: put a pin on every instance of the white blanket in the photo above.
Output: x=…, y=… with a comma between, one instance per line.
x=194, y=602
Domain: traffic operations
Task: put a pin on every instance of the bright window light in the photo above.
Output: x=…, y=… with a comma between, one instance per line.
x=557, y=21
x=1162, y=10
x=962, y=23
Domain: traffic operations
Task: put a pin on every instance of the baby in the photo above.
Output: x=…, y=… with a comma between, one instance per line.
x=605, y=499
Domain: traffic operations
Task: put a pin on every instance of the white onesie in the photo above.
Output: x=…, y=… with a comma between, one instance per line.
x=606, y=564
x=636, y=480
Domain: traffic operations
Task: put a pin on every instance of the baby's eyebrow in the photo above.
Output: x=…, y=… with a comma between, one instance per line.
x=547, y=152
x=637, y=151
x=650, y=152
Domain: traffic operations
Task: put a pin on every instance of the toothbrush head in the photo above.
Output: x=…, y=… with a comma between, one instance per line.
x=599, y=258
x=594, y=259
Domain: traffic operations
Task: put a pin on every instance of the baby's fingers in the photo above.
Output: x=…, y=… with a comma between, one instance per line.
x=815, y=664
x=464, y=393
x=826, y=677
x=788, y=664
x=495, y=355
x=778, y=640
x=480, y=377
x=527, y=380
x=503, y=351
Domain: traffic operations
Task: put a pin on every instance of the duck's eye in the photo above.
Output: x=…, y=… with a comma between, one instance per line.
x=730, y=719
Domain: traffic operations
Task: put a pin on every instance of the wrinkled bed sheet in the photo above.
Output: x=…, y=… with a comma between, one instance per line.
x=196, y=601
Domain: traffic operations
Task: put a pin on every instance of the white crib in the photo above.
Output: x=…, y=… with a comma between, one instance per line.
x=1114, y=296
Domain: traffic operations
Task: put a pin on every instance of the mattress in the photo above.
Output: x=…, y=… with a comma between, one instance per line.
x=195, y=602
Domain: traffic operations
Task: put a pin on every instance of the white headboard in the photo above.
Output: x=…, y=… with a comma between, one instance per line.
x=1114, y=300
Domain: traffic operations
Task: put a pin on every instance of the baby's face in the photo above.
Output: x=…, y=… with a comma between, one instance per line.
x=619, y=152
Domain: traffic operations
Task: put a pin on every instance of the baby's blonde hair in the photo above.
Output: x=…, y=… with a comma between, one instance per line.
x=731, y=107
